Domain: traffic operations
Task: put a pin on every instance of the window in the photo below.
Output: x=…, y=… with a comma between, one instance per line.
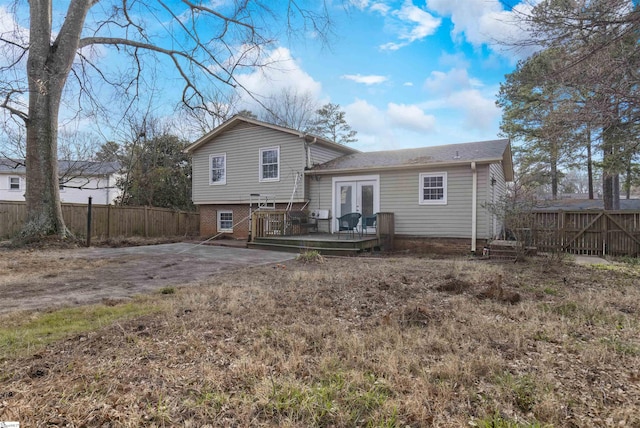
x=218, y=169
x=433, y=188
x=14, y=183
x=225, y=221
x=270, y=164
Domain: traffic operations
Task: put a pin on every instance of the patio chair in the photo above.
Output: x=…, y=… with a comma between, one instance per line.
x=348, y=223
x=369, y=222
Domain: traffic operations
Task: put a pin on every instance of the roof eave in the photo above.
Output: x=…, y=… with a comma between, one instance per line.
x=237, y=118
x=403, y=166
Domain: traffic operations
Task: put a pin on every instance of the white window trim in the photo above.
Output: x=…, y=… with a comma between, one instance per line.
x=19, y=183
x=260, y=176
x=220, y=229
x=421, y=200
x=224, y=179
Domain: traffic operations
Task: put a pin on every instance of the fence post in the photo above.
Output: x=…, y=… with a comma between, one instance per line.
x=108, y=221
x=89, y=222
x=146, y=221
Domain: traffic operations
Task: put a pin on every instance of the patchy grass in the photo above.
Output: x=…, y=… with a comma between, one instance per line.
x=31, y=332
x=370, y=342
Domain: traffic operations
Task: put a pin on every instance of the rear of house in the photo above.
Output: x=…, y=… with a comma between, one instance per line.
x=246, y=163
x=440, y=196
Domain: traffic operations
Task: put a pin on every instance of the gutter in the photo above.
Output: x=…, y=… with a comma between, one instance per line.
x=404, y=167
x=474, y=207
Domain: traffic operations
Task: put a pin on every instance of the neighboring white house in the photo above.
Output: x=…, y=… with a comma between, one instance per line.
x=78, y=181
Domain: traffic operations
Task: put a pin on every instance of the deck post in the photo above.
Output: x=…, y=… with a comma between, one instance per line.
x=385, y=229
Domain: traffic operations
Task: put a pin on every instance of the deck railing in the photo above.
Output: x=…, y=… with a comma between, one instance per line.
x=278, y=223
x=283, y=223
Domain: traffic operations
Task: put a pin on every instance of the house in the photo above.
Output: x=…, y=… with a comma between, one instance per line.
x=243, y=158
x=435, y=193
x=78, y=181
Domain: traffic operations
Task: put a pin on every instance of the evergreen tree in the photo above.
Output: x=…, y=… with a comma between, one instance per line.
x=330, y=123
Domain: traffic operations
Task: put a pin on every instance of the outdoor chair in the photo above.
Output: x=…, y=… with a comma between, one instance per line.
x=369, y=222
x=348, y=223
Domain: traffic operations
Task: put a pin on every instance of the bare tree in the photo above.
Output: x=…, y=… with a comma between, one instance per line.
x=205, y=44
x=291, y=109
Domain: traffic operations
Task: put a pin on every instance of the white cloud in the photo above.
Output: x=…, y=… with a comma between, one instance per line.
x=446, y=83
x=410, y=117
x=381, y=8
x=412, y=24
x=284, y=72
x=479, y=112
x=367, y=80
x=482, y=22
x=407, y=84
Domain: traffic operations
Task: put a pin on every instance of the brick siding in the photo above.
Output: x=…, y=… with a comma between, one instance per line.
x=449, y=246
x=241, y=226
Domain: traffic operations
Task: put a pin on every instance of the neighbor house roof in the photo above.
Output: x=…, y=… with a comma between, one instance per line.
x=65, y=167
x=494, y=151
x=238, y=119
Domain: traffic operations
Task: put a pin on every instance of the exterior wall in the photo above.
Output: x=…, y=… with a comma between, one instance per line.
x=102, y=190
x=242, y=146
x=321, y=154
x=399, y=193
x=241, y=228
x=11, y=195
x=495, y=196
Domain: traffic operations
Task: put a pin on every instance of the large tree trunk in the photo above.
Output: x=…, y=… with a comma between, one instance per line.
x=48, y=66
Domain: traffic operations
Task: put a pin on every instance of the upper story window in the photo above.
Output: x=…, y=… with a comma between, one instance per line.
x=14, y=183
x=218, y=169
x=270, y=164
x=433, y=188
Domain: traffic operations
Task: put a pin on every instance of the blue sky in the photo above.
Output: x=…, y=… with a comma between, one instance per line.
x=407, y=73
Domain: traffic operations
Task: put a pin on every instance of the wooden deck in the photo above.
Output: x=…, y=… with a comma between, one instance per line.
x=328, y=244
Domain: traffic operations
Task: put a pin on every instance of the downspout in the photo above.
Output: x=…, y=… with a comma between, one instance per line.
x=308, y=146
x=474, y=206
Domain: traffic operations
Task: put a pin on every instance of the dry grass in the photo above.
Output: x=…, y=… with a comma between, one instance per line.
x=356, y=342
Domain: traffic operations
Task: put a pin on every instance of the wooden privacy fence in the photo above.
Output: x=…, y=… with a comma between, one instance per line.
x=109, y=221
x=595, y=233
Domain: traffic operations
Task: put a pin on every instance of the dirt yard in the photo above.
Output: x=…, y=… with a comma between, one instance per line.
x=371, y=341
x=45, y=279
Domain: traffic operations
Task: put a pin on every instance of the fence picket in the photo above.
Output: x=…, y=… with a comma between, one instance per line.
x=108, y=221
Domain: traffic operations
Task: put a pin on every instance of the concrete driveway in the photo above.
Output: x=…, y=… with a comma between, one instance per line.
x=218, y=255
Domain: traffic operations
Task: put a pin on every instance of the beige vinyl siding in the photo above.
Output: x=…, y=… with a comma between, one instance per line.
x=399, y=194
x=242, y=146
x=496, y=194
x=321, y=154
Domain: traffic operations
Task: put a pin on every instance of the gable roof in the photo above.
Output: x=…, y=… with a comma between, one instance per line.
x=494, y=151
x=80, y=168
x=238, y=119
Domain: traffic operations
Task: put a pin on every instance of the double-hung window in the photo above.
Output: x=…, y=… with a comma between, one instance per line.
x=270, y=164
x=14, y=183
x=225, y=221
x=218, y=169
x=433, y=188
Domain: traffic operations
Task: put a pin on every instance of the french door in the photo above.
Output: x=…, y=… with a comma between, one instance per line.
x=356, y=194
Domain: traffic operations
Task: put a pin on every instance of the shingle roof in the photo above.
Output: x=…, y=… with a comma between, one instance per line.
x=237, y=119
x=495, y=150
x=87, y=168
